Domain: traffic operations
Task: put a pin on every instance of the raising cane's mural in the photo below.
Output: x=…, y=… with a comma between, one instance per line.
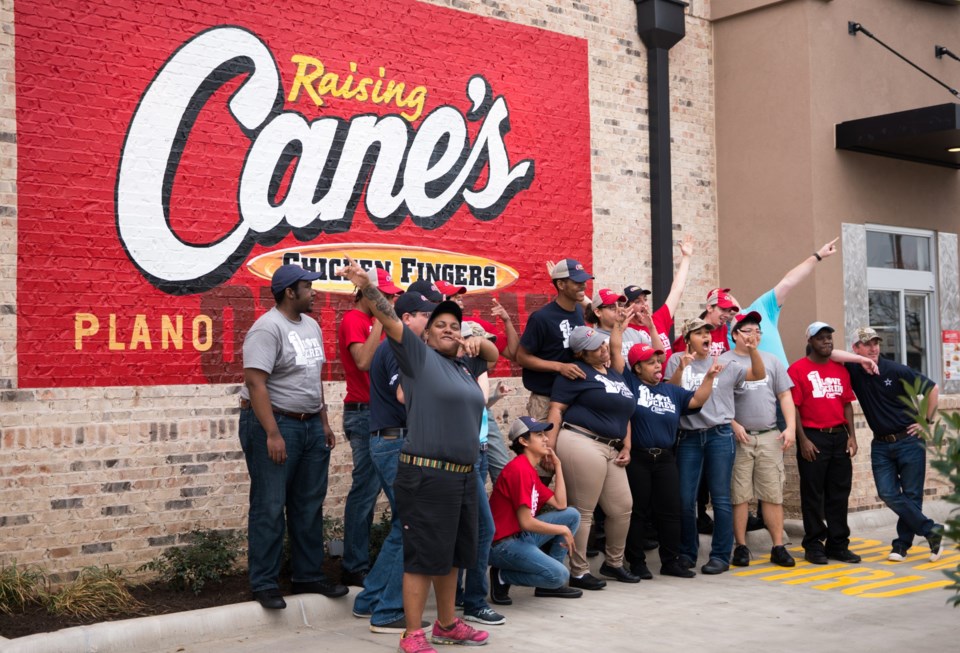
x=184, y=153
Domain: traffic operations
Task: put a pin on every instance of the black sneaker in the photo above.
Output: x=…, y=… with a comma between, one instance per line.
x=640, y=569
x=618, y=573
x=676, y=569
x=714, y=566
x=741, y=556
x=815, y=557
x=686, y=562
x=898, y=553
x=935, y=539
x=565, y=592
x=844, y=556
x=354, y=578
x=499, y=591
x=271, y=599
x=781, y=557
x=587, y=582
x=325, y=587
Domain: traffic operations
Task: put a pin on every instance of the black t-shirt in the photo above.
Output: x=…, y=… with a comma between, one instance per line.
x=657, y=411
x=601, y=403
x=879, y=395
x=547, y=336
x=385, y=411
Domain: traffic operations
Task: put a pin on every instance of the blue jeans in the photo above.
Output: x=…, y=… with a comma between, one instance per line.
x=297, y=487
x=712, y=450
x=382, y=593
x=522, y=561
x=358, y=513
x=476, y=586
x=497, y=456
x=898, y=470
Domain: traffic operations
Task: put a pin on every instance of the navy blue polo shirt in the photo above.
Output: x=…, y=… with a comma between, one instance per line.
x=602, y=403
x=547, y=336
x=385, y=411
x=879, y=395
x=657, y=411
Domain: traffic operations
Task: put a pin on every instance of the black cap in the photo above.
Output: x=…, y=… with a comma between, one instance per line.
x=447, y=307
x=412, y=302
x=427, y=289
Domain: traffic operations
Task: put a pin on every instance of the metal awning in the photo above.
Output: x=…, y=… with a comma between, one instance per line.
x=923, y=135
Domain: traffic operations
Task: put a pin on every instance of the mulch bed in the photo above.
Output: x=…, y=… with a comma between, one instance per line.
x=156, y=599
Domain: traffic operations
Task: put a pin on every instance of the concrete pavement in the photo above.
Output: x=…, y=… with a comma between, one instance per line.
x=876, y=605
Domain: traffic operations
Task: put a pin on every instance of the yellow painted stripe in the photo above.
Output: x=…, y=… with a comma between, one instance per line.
x=906, y=590
x=860, y=589
x=855, y=577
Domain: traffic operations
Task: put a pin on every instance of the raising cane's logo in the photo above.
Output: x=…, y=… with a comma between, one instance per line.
x=425, y=172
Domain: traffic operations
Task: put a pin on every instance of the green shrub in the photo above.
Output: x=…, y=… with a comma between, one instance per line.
x=20, y=586
x=95, y=594
x=942, y=439
x=208, y=557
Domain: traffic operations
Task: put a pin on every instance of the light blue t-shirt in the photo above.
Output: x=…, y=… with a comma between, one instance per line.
x=766, y=305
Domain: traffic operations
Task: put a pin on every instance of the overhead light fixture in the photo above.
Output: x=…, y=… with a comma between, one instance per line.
x=953, y=150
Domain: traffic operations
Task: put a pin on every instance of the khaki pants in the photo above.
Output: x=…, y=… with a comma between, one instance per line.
x=591, y=477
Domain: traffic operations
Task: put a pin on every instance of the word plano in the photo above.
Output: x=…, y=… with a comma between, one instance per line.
x=317, y=82
x=328, y=167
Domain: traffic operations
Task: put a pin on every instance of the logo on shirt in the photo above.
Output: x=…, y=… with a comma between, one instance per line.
x=566, y=330
x=829, y=388
x=659, y=404
x=534, y=501
x=756, y=385
x=614, y=387
x=692, y=380
x=717, y=348
x=308, y=351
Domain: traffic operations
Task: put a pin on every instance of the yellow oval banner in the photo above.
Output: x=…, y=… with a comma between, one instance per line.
x=405, y=264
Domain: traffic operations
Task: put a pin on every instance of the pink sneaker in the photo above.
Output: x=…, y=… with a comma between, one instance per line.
x=415, y=642
x=458, y=633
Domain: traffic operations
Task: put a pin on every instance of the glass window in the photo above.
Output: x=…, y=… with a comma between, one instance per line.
x=898, y=251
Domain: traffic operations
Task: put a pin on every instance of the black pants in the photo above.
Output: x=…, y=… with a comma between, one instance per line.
x=824, y=492
x=655, y=483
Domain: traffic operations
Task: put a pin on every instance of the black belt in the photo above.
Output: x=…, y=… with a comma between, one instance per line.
x=832, y=429
x=653, y=452
x=300, y=417
x=894, y=437
x=390, y=434
x=504, y=539
x=760, y=432
x=616, y=443
x=351, y=406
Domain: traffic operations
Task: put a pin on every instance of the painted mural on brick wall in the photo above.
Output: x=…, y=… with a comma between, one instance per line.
x=170, y=158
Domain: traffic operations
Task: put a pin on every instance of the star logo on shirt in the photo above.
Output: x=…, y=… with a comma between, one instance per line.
x=888, y=382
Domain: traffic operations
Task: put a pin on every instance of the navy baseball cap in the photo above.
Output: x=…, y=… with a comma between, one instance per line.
x=287, y=275
x=412, y=302
x=632, y=292
x=449, y=306
x=523, y=425
x=571, y=269
x=427, y=289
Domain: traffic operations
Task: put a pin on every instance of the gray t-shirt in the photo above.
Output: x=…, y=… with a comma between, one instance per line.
x=756, y=401
x=631, y=337
x=719, y=408
x=444, y=403
x=291, y=353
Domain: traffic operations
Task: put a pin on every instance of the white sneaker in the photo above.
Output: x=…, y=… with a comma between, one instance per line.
x=897, y=555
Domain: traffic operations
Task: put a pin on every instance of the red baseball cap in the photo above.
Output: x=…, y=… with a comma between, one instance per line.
x=385, y=283
x=641, y=352
x=752, y=316
x=721, y=297
x=448, y=289
x=606, y=297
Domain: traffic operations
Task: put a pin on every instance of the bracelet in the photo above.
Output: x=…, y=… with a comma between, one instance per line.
x=819, y=258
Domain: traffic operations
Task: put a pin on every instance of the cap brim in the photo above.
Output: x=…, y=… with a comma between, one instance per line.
x=539, y=427
x=580, y=277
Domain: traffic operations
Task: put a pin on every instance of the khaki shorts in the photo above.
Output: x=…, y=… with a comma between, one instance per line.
x=758, y=469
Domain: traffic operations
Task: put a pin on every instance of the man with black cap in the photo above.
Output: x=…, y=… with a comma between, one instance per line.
x=285, y=435
x=382, y=597
x=898, y=455
x=358, y=336
x=826, y=443
x=544, y=350
x=528, y=547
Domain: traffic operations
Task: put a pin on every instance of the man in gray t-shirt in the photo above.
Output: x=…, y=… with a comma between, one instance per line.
x=758, y=467
x=286, y=436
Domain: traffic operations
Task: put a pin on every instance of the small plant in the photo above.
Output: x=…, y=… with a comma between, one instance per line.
x=208, y=557
x=19, y=586
x=95, y=594
x=378, y=534
x=333, y=536
x=942, y=438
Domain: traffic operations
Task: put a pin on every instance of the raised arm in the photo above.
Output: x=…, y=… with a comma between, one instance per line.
x=680, y=278
x=793, y=278
x=513, y=338
x=841, y=356
x=380, y=306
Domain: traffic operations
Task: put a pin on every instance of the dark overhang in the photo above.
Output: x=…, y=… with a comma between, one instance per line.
x=923, y=135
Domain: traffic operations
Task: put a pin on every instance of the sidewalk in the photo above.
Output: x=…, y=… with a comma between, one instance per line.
x=876, y=605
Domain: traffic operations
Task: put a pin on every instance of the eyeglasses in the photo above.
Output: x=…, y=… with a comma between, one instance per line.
x=750, y=332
